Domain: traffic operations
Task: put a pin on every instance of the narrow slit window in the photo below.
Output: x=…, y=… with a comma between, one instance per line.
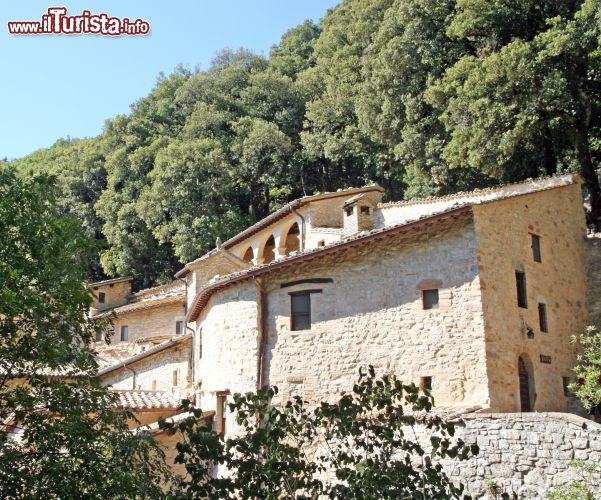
x=220, y=413
x=300, y=311
x=101, y=297
x=536, y=248
x=520, y=281
x=175, y=378
x=566, y=386
x=124, y=333
x=179, y=327
x=542, y=317
x=430, y=299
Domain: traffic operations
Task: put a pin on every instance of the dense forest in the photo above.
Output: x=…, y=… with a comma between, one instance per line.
x=425, y=97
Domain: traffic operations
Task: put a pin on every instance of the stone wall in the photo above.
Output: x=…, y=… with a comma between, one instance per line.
x=504, y=233
x=228, y=337
x=524, y=453
x=155, y=372
x=116, y=294
x=371, y=313
x=159, y=321
x=221, y=263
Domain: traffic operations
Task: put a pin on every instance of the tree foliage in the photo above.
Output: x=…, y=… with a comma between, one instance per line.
x=424, y=97
x=366, y=438
x=588, y=370
x=61, y=436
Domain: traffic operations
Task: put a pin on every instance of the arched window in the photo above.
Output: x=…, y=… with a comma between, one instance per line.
x=248, y=255
x=292, y=239
x=269, y=250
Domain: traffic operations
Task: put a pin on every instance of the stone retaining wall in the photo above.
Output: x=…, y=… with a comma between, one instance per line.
x=525, y=453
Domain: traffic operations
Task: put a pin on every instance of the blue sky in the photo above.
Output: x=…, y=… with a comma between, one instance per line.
x=58, y=86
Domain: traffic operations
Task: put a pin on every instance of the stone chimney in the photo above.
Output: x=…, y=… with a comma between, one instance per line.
x=358, y=214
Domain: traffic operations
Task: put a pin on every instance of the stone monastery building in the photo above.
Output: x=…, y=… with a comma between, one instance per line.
x=474, y=296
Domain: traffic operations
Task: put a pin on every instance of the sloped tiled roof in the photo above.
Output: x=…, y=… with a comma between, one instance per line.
x=143, y=305
x=160, y=290
x=149, y=352
x=493, y=193
x=461, y=203
x=277, y=215
x=147, y=400
x=111, y=281
x=359, y=239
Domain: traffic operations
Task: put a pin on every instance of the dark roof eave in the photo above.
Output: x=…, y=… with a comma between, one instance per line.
x=202, y=298
x=110, y=282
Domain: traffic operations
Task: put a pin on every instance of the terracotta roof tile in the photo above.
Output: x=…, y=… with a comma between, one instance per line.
x=142, y=305
x=277, y=215
x=364, y=236
x=147, y=400
x=149, y=352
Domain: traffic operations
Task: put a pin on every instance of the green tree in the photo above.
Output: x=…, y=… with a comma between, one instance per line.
x=340, y=153
x=132, y=144
x=294, y=53
x=525, y=100
x=67, y=441
x=262, y=153
x=409, y=50
x=78, y=166
x=191, y=200
x=588, y=370
x=366, y=438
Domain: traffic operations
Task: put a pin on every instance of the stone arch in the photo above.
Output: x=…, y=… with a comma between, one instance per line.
x=527, y=393
x=268, y=252
x=291, y=239
x=248, y=255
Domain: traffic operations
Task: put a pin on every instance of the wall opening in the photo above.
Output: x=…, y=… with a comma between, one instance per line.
x=526, y=383
x=293, y=239
x=248, y=255
x=269, y=250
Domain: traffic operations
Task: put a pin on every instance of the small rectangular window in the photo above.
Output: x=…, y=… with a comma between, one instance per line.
x=101, y=297
x=220, y=413
x=536, y=248
x=179, y=327
x=98, y=336
x=349, y=211
x=300, y=311
x=425, y=383
x=542, y=317
x=321, y=243
x=520, y=280
x=124, y=333
x=430, y=299
x=566, y=386
x=364, y=210
x=174, y=378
